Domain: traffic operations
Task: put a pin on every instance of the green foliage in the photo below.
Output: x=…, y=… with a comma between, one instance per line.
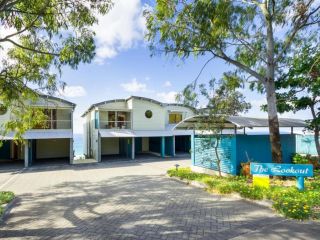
x=254, y=193
x=6, y=197
x=288, y=201
x=45, y=36
x=299, y=159
x=241, y=33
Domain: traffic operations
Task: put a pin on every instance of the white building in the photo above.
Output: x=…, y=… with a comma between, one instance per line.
x=51, y=140
x=135, y=126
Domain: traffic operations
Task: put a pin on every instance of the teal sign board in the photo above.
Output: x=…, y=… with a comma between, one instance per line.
x=291, y=170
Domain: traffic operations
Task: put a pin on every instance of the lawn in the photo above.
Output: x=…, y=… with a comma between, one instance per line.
x=5, y=198
x=286, y=198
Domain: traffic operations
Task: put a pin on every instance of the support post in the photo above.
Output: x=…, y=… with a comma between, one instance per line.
x=26, y=153
x=133, y=149
x=98, y=148
x=163, y=147
x=192, y=149
x=300, y=183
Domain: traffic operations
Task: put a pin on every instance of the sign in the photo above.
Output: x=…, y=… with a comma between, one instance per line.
x=261, y=181
x=277, y=169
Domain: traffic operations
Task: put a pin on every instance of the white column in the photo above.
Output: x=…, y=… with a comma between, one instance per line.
x=133, y=149
x=99, y=148
x=26, y=153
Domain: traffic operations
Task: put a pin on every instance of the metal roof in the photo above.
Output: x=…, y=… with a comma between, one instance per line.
x=42, y=134
x=134, y=97
x=118, y=133
x=44, y=96
x=239, y=121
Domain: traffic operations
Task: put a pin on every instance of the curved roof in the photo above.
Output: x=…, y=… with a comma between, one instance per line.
x=134, y=97
x=239, y=121
x=44, y=96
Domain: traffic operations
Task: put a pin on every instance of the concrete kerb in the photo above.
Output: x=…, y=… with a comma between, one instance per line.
x=7, y=209
x=236, y=196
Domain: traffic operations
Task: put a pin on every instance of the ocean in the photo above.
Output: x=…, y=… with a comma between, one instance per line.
x=78, y=142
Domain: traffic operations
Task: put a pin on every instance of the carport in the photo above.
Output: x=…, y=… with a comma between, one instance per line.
x=11, y=153
x=131, y=144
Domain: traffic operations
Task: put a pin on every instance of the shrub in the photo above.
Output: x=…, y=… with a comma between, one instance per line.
x=1, y=210
x=6, y=197
x=299, y=159
x=255, y=193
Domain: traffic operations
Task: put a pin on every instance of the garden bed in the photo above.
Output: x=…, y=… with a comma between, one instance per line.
x=5, y=199
x=285, y=197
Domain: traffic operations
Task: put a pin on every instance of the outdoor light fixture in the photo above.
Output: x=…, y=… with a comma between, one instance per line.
x=177, y=166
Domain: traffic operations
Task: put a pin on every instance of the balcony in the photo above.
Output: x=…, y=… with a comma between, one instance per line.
x=115, y=125
x=54, y=124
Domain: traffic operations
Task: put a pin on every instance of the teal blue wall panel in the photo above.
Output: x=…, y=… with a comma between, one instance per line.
x=205, y=156
x=305, y=144
x=169, y=146
x=5, y=150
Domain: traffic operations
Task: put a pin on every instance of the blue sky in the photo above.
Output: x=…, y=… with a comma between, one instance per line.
x=123, y=67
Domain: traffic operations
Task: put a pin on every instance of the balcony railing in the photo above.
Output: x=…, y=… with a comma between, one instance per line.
x=54, y=124
x=115, y=124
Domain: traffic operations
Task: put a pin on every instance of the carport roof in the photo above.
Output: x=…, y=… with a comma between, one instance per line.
x=107, y=133
x=239, y=121
x=42, y=134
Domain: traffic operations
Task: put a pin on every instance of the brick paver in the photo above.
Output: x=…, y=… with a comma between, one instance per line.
x=128, y=200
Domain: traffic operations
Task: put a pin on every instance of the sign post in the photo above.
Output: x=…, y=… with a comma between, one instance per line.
x=291, y=170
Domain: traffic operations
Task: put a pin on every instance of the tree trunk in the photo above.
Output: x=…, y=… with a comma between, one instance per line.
x=217, y=156
x=273, y=123
x=269, y=84
x=316, y=130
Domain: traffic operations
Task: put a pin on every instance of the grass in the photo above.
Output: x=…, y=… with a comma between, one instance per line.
x=287, y=200
x=5, y=198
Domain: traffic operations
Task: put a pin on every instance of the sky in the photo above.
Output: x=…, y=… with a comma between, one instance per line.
x=123, y=67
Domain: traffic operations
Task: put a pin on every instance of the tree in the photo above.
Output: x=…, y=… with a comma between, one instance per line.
x=303, y=81
x=222, y=100
x=242, y=33
x=38, y=38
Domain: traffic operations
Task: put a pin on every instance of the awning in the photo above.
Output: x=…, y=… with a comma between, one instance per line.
x=43, y=134
x=240, y=122
x=108, y=133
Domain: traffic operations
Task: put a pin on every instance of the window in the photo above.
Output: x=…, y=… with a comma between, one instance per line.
x=148, y=114
x=175, y=118
x=111, y=119
x=3, y=109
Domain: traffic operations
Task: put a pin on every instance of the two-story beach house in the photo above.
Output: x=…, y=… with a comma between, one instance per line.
x=50, y=140
x=135, y=126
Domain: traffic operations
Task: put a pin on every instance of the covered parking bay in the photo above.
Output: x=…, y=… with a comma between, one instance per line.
x=238, y=145
x=129, y=144
x=12, y=153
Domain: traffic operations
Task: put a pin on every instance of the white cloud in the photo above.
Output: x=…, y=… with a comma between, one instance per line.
x=167, y=84
x=167, y=97
x=134, y=86
x=120, y=29
x=73, y=91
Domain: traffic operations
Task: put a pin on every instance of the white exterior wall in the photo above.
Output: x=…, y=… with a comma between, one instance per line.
x=52, y=148
x=114, y=106
x=139, y=120
x=186, y=112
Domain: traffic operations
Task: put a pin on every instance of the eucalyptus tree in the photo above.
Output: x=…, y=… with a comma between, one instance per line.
x=221, y=99
x=254, y=36
x=37, y=39
x=303, y=81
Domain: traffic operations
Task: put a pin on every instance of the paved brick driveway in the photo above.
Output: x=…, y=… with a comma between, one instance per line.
x=133, y=200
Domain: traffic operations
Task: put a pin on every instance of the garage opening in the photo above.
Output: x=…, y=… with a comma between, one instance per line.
x=182, y=145
x=51, y=151
x=11, y=154
x=116, y=149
